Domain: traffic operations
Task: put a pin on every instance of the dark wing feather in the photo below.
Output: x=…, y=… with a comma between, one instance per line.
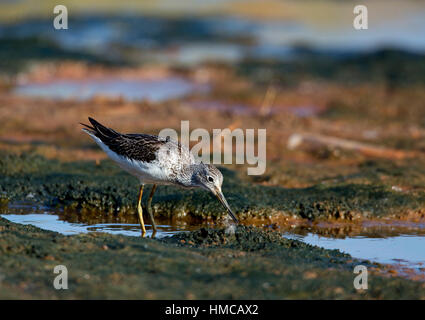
x=141, y=147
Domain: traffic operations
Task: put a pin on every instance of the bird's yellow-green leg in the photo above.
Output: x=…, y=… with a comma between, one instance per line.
x=150, y=209
x=140, y=211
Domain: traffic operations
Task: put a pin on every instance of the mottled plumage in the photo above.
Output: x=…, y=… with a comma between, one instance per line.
x=157, y=160
x=150, y=158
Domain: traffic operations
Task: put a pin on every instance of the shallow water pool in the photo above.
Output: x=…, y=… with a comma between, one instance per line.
x=132, y=90
x=403, y=249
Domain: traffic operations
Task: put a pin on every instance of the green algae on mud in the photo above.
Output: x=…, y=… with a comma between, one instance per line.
x=105, y=189
x=394, y=68
x=205, y=264
x=17, y=54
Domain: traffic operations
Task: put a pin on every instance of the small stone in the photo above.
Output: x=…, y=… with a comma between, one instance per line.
x=396, y=188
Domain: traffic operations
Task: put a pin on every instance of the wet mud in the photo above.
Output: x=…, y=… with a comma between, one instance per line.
x=205, y=264
x=105, y=190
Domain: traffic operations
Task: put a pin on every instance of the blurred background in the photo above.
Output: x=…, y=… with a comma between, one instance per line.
x=297, y=68
x=300, y=63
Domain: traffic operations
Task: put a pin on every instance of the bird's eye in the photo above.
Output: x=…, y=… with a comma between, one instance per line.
x=210, y=179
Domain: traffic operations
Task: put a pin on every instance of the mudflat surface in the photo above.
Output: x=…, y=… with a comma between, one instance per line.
x=104, y=190
x=205, y=264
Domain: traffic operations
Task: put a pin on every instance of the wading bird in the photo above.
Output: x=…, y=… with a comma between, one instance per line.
x=158, y=161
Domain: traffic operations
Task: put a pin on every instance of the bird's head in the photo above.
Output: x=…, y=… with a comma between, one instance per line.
x=210, y=178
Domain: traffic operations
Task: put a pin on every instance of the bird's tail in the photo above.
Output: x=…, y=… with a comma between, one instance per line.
x=99, y=130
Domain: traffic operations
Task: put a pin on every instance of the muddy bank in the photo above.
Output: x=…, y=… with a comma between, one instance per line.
x=250, y=264
x=103, y=190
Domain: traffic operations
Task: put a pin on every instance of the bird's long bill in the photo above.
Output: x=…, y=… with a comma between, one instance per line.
x=222, y=199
